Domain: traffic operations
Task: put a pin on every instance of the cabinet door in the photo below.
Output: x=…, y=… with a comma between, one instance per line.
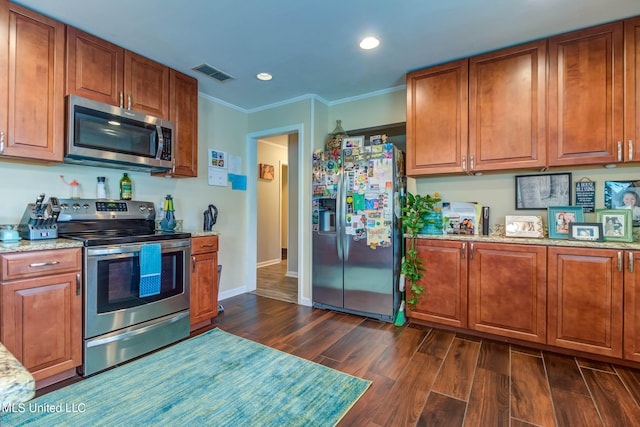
x=586, y=96
x=204, y=287
x=146, y=86
x=632, y=306
x=183, y=113
x=507, y=290
x=631, y=143
x=32, y=79
x=585, y=299
x=42, y=323
x=444, y=281
x=507, y=108
x=437, y=119
x=95, y=68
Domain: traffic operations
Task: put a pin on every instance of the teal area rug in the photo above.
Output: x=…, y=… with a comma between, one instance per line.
x=213, y=379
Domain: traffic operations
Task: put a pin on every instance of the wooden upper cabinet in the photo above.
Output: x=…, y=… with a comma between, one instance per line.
x=508, y=290
x=586, y=96
x=183, y=112
x=507, y=108
x=585, y=299
x=631, y=143
x=31, y=84
x=104, y=72
x=146, y=85
x=437, y=119
x=94, y=67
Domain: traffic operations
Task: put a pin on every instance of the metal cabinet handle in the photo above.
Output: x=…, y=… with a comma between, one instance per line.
x=208, y=245
x=129, y=102
x=78, y=283
x=463, y=250
x=121, y=100
x=42, y=264
x=1, y=142
x=193, y=263
x=464, y=163
x=471, y=251
x=471, y=163
x=619, y=260
x=630, y=262
x=619, y=151
x=630, y=149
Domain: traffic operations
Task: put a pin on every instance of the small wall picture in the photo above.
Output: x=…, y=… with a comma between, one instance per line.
x=353, y=142
x=266, y=171
x=623, y=195
x=589, y=231
x=523, y=226
x=543, y=190
x=559, y=219
x=616, y=224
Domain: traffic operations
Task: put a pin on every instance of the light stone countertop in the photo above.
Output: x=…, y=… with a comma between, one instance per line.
x=201, y=233
x=17, y=385
x=25, y=245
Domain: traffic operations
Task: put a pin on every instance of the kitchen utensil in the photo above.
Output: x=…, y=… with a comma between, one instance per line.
x=9, y=234
x=210, y=218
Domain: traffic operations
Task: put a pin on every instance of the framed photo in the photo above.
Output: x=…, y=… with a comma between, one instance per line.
x=542, y=191
x=353, y=142
x=616, y=224
x=590, y=231
x=623, y=195
x=524, y=226
x=266, y=171
x=559, y=219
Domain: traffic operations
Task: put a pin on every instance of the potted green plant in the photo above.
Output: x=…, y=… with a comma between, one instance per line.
x=416, y=214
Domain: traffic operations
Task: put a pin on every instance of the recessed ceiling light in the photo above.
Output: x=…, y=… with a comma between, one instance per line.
x=264, y=76
x=369, y=43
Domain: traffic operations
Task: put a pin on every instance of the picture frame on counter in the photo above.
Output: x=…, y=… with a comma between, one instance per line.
x=587, y=231
x=524, y=226
x=353, y=142
x=617, y=224
x=559, y=219
x=543, y=190
x=623, y=195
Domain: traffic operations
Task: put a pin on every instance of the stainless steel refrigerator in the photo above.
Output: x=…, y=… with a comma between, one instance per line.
x=357, y=230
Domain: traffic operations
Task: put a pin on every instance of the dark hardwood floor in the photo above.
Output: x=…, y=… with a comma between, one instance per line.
x=271, y=282
x=430, y=377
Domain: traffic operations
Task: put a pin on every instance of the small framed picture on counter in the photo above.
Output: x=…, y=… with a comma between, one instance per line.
x=523, y=226
x=559, y=219
x=589, y=231
x=616, y=224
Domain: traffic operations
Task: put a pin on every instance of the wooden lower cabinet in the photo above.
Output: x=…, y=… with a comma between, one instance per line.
x=204, y=280
x=444, y=281
x=507, y=290
x=585, y=299
x=632, y=306
x=41, y=303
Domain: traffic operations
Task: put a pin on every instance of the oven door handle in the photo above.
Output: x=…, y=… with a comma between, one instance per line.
x=125, y=335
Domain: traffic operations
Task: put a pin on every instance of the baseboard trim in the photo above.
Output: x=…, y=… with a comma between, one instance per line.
x=293, y=274
x=268, y=263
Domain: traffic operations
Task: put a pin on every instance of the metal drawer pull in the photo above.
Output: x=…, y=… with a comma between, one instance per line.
x=42, y=264
x=208, y=245
x=630, y=262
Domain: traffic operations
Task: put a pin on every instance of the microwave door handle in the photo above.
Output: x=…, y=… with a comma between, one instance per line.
x=160, y=142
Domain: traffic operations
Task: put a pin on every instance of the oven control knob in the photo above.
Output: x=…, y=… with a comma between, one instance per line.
x=86, y=206
x=142, y=208
x=64, y=206
x=75, y=206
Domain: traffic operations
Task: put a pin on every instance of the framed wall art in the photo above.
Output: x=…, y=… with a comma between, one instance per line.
x=523, y=226
x=589, y=231
x=542, y=191
x=559, y=219
x=353, y=142
x=616, y=224
x=623, y=195
x=266, y=171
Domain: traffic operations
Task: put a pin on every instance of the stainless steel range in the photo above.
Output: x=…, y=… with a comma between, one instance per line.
x=135, y=279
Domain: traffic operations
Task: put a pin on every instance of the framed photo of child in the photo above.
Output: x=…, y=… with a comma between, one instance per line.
x=623, y=195
x=559, y=219
x=616, y=224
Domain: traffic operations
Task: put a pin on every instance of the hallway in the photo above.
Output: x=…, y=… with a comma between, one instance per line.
x=272, y=283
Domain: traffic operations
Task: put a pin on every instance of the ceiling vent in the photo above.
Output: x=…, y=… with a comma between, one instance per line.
x=212, y=72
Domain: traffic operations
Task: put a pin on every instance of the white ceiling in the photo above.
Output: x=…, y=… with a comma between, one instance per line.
x=311, y=47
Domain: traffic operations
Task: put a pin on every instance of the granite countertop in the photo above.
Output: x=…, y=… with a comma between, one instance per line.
x=25, y=245
x=201, y=233
x=17, y=385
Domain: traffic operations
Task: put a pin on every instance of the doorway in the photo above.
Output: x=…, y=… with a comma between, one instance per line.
x=276, y=276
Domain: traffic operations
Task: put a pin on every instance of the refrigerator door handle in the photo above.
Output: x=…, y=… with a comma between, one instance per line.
x=340, y=218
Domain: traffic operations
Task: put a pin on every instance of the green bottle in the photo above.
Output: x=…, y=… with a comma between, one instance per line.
x=126, y=188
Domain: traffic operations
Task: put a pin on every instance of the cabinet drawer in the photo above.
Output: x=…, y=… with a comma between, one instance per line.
x=204, y=244
x=37, y=263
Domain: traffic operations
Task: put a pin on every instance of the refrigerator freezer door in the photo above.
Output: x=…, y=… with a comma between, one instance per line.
x=327, y=270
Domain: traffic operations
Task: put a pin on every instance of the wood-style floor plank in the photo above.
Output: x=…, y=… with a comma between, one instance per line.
x=442, y=411
x=457, y=372
x=631, y=379
x=615, y=404
x=530, y=396
x=489, y=400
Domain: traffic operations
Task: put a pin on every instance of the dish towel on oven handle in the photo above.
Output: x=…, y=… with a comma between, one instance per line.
x=150, y=269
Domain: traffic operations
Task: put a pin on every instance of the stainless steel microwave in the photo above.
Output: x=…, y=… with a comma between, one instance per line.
x=100, y=134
